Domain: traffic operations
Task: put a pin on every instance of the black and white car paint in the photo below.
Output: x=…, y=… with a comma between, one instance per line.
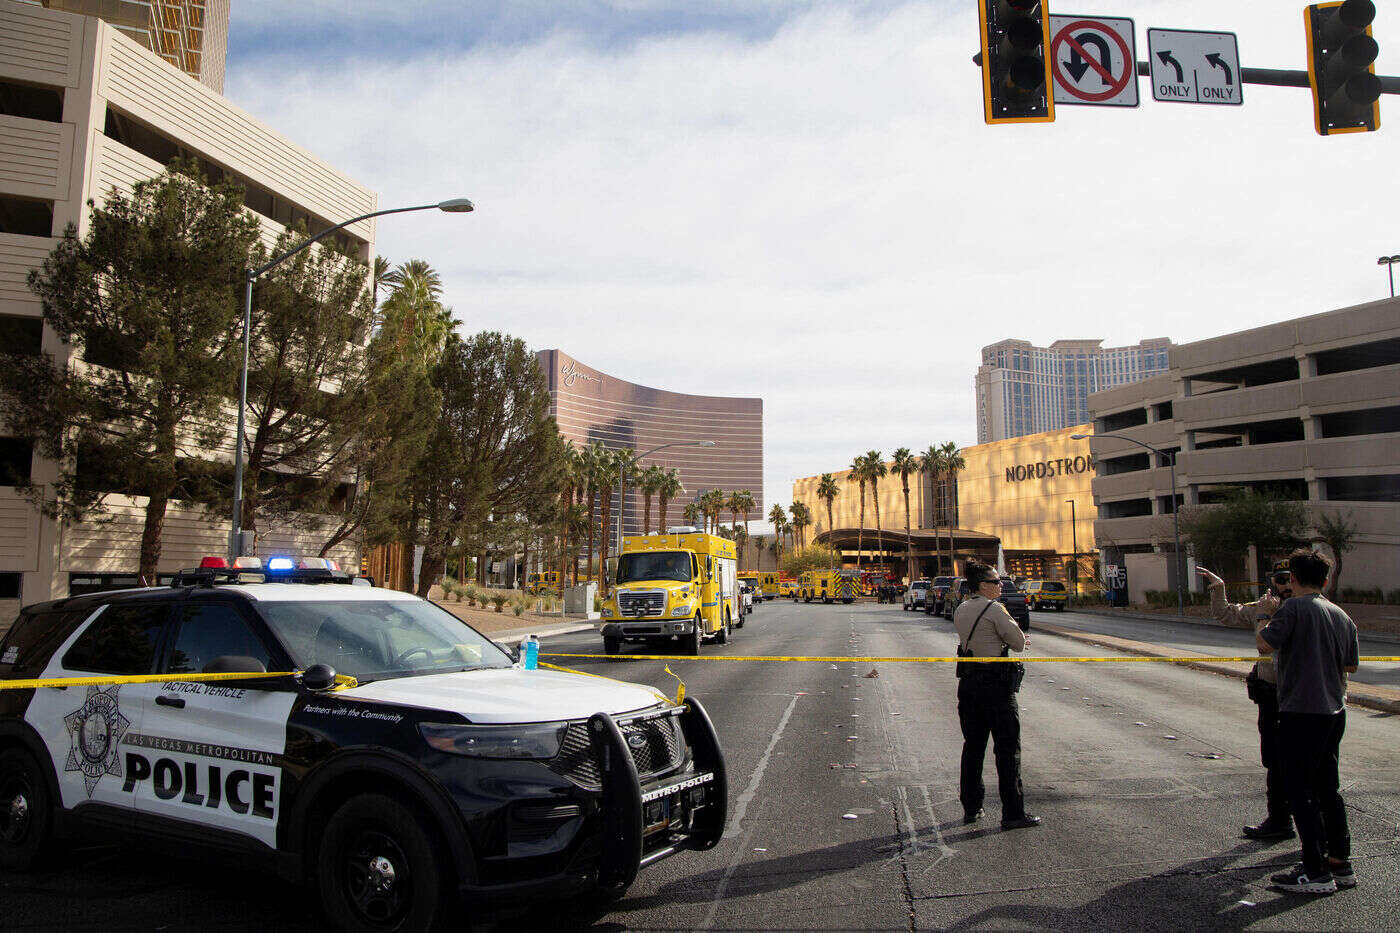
x=265, y=767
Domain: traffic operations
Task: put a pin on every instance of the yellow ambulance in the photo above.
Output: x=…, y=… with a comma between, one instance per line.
x=829, y=586
x=678, y=587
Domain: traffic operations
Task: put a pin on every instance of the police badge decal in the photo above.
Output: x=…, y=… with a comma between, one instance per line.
x=96, y=729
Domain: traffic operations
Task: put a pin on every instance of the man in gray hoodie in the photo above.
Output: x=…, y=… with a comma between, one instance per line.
x=1262, y=685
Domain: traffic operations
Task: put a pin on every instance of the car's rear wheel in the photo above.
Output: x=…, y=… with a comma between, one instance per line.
x=722, y=638
x=611, y=644
x=378, y=870
x=26, y=813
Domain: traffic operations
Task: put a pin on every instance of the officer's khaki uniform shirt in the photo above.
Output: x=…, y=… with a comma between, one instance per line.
x=996, y=629
x=1244, y=615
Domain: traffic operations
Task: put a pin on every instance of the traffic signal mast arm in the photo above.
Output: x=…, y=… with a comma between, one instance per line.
x=1275, y=77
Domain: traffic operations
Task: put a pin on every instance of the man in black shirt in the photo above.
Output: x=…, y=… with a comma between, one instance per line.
x=1315, y=646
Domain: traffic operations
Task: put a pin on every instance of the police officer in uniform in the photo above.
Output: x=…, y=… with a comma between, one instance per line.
x=1262, y=685
x=987, y=699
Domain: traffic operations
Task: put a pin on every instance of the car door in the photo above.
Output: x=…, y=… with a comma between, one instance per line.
x=212, y=751
x=88, y=729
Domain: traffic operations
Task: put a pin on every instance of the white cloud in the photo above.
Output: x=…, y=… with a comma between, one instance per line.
x=823, y=220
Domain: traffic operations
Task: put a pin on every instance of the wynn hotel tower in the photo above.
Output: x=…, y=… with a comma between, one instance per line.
x=593, y=406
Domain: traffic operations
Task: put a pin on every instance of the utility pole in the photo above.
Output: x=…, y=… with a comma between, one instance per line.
x=1389, y=263
x=1074, y=538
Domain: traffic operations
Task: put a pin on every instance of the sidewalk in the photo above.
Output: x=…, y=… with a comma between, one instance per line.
x=1371, y=696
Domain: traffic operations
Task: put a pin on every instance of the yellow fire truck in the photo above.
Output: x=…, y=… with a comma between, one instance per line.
x=764, y=583
x=681, y=586
x=537, y=583
x=829, y=585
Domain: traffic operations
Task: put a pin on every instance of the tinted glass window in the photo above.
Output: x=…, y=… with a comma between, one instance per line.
x=122, y=640
x=211, y=630
x=35, y=635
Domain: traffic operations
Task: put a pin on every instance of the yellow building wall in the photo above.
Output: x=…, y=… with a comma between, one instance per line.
x=1027, y=508
x=1018, y=489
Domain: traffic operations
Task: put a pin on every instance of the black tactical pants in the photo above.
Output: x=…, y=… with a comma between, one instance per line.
x=1266, y=696
x=987, y=707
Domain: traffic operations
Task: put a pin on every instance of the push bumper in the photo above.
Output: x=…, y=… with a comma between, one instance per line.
x=641, y=824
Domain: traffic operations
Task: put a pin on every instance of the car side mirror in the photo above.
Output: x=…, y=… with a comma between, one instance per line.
x=318, y=677
x=234, y=664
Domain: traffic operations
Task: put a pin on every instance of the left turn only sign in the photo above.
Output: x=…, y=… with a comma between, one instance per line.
x=1094, y=61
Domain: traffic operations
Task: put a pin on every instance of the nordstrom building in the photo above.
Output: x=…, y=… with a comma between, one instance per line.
x=1030, y=495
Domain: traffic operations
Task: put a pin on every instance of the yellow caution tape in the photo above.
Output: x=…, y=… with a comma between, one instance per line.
x=342, y=681
x=873, y=660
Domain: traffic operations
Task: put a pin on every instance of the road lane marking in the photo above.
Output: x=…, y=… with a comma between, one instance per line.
x=741, y=810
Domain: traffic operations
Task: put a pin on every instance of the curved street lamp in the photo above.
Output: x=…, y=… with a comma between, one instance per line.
x=1176, y=522
x=235, y=538
x=622, y=481
x=1389, y=262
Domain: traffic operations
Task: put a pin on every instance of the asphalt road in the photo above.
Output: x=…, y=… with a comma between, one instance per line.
x=1216, y=639
x=1143, y=772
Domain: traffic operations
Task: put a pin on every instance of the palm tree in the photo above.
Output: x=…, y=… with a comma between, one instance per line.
x=827, y=491
x=592, y=462
x=569, y=479
x=379, y=275
x=931, y=462
x=875, y=470
x=778, y=517
x=669, y=488
x=741, y=503
x=414, y=311
x=857, y=475
x=650, y=485
x=691, y=513
x=801, y=518
x=612, y=465
x=953, y=463
x=904, y=464
x=712, y=503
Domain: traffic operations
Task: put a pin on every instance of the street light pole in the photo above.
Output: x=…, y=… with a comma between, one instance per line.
x=235, y=538
x=1176, y=512
x=1389, y=263
x=622, y=481
x=1074, y=537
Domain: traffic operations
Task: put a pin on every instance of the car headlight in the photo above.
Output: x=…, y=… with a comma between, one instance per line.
x=680, y=610
x=530, y=740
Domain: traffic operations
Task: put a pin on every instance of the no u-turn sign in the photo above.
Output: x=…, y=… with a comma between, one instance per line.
x=1094, y=61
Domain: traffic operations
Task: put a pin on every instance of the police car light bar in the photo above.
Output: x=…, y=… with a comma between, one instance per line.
x=275, y=564
x=247, y=563
x=213, y=563
x=314, y=563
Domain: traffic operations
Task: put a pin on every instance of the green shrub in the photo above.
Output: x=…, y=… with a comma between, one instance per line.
x=470, y=594
x=498, y=600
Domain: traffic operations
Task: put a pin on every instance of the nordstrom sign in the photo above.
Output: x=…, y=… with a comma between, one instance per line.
x=1045, y=468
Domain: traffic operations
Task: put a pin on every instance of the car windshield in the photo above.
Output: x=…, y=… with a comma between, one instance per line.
x=654, y=565
x=375, y=640
x=920, y=584
x=1009, y=588
x=942, y=581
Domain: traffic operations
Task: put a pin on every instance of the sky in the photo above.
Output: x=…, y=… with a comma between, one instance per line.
x=799, y=199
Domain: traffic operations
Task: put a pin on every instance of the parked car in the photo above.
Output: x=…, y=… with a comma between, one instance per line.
x=938, y=589
x=1047, y=594
x=916, y=597
x=958, y=590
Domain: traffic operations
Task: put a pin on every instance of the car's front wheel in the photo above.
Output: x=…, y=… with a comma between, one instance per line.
x=378, y=868
x=611, y=644
x=691, y=642
x=26, y=814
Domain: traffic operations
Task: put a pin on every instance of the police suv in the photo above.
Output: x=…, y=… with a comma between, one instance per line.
x=438, y=776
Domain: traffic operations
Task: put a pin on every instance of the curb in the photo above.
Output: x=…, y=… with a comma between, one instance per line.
x=1385, y=637
x=510, y=636
x=1371, y=697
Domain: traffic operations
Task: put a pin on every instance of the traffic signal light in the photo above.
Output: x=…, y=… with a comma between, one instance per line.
x=1015, y=64
x=1341, y=66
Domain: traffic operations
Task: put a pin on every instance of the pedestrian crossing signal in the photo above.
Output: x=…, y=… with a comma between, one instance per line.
x=1342, y=67
x=1015, y=61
